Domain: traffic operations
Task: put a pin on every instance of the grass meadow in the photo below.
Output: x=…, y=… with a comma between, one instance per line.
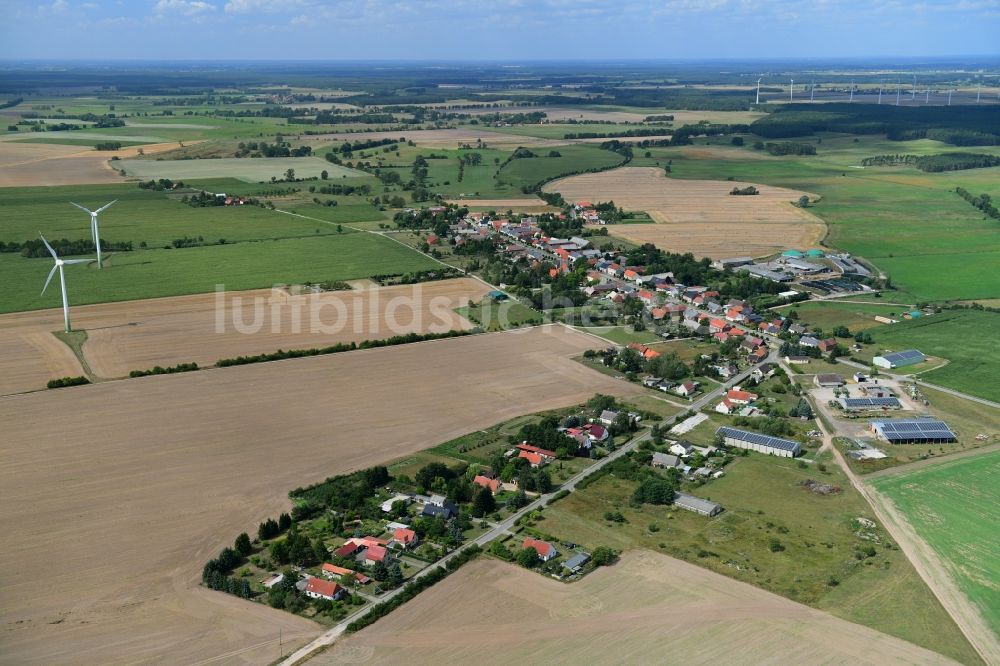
x=250, y=170
x=572, y=159
x=953, y=506
x=764, y=500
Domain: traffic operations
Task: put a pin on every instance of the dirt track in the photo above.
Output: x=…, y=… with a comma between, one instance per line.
x=698, y=216
x=107, y=525
x=649, y=608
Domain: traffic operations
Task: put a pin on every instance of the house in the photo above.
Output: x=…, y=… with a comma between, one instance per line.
x=348, y=549
x=829, y=380
x=545, y=550
x=739, y=397
x=534, y=455
x=726, y=406
x=687, y=389
x=375, y=554
x=696, y=504
x=681, y=448
x=912, y=431
x=762, y=372
x=645, y=351
x=827, y=345
x=898, y=359
x=485, y=482
x=317, y=588
x=449, y=510
x=726, y=370
x=718, y=326
x=577, y=562
x=753, y=441
x=608, y=417
x=596, y=433
x=665, y=460
x=272, y=580
x=808, y=341
x=405, y=537
x=333, y=571
x=387, y=505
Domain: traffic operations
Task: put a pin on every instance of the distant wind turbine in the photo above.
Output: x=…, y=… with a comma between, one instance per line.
x=758, y=89
x=897, y=93
x=880, y=93
x=852, y=92
x=812, y=91
x=913, y=92
x=94, y=231
x=791, y=91
x=949, y=96
x=62, y=278
x=979, y=91
x=927, y=97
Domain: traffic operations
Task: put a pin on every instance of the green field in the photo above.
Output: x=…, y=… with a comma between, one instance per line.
x=826, y=315
x=500, y=316
x=573, y=159
x=967, y=338
x=953, y=506
x=262, y=247
x=764, y=501
x=250, y=170
x=622, y=335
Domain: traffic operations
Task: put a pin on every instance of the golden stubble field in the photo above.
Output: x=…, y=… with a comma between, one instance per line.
x=203, y=328
x=112, y=496
x=647, y=609
x=46, y=164
x=699, y=216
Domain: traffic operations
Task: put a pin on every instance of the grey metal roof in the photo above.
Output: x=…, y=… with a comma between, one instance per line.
x=904, y=429
x=576, y=561
x=686, y=501
x=757, y=438
x=861, y=403
x=906, y=356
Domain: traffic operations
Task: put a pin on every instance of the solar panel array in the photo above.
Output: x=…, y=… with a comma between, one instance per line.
x=908, y=355
x=757, y=438
x=907, y=429
x=870, y=403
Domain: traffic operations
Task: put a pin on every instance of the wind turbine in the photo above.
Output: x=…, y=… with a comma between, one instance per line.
x=94, y=231
x=949, y=96
x=758, y=90
x=880, y=93
x=897, y=93
x=852, y=92
x=913, y=92
x=791, y=91
x=979, y=91
x=62, y=278
x=812, y=91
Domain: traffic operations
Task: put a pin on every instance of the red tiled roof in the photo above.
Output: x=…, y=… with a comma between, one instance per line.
x=376, y=553
x=326, y=588
x=534, y=449
x=532, y=458
x=492, y=484
x=405, y=535
x=543, y=548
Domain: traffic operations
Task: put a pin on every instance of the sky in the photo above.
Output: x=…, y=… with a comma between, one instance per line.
x=494, y=29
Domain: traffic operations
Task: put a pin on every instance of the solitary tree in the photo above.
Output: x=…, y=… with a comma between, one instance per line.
x=242, y=544
x=483, y=503
x=290, y=174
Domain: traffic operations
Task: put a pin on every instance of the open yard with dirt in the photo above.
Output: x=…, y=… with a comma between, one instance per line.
x=698, y=216
x=648, y=608
x=137, y=483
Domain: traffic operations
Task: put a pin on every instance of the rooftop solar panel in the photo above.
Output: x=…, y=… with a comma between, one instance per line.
x=757, y=438
x=871, y=402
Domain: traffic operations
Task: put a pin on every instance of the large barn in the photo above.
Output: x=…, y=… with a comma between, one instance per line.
x=912, y=431
x=898, y=359
x=754, y=441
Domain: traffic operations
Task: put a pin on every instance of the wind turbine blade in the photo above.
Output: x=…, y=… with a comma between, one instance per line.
x=80, y=207
x=77, y=261
x=48, y=247
x=106, y=206
x=49, y=279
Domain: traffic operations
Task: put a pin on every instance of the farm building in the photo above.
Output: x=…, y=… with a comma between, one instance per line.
x=912, y=431
x=874, y=390
x=696, y=504
x=753, y=441
x=898, y=359
x=735, y=262
x=864, y=404
x=829, y=380
x=665, y=460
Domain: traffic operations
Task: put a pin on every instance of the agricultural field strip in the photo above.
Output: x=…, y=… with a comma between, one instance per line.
x=306, y=426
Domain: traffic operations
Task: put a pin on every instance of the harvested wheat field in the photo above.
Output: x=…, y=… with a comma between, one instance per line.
x=698, y=216
x=203, y=328
x=30, y=355
x=648, y=608
x=106, y=526
x=42, y=164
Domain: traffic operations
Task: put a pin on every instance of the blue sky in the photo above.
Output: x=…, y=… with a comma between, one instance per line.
x=495, y=29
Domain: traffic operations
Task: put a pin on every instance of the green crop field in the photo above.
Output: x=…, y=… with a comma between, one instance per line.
x=764, y=500
x=250, y=170
x=826, y=315
x=953, y=506
x=262, y=247
x=572, y=159
x=967, y=338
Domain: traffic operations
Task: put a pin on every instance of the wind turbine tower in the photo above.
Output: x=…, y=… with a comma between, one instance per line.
x=851, y=99
x=791, y=91
x=94, y=231
x=812, y=91
x=758, y=90
x=913, y=93
x=949, y=96
x=979, y=91
x=897, y=93
x=880, y=93
x=62, y=278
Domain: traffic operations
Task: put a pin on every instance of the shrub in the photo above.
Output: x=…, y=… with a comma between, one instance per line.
x=67, y=381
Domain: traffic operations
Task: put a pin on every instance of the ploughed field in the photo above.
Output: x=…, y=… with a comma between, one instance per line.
x=137, y=483
x=648, y=608
x=698, y=216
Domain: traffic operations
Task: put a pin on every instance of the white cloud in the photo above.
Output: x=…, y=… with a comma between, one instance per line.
x=262, y=6
x=186, y=7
